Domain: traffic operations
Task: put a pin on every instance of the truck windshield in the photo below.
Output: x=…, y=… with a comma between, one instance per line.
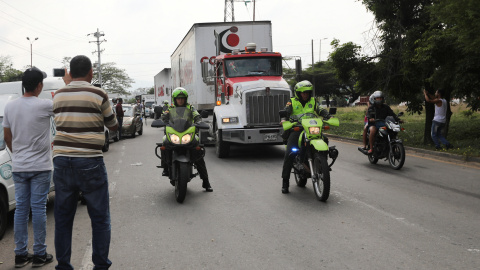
x=253, y=66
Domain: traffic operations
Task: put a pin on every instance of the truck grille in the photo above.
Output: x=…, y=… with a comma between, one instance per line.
x=263, y=109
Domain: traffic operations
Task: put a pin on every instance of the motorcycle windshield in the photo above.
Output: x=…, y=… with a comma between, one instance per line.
x=181, y=118
x=304, y=116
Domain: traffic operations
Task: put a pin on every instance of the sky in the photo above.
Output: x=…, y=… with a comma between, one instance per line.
x=141, y=35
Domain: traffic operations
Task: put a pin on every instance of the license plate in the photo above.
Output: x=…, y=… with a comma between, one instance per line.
x=270, y=137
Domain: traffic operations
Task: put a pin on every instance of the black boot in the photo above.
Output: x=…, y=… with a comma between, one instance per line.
x=286, y=183
x=206, y=186
x=165, y=172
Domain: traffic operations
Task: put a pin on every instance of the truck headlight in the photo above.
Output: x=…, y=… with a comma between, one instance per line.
x=186, y=138
x=230, y=120
x=314, y=130
x=175, y=139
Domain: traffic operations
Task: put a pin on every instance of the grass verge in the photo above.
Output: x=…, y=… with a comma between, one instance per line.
x=464, y=132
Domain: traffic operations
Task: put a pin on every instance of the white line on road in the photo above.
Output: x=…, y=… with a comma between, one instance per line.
x=87, y=263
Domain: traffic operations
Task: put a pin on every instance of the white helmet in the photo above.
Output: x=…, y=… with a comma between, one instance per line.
x=375, y=95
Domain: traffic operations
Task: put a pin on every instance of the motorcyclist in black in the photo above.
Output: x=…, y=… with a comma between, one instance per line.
x=180, y=96
x=302, y=103
x=377, y=112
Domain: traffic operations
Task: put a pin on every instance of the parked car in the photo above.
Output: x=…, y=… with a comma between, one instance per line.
x=132, y=121
x=110, y=135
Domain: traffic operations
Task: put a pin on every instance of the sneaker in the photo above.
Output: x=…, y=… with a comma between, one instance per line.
x=39, y=261
x=22, y=260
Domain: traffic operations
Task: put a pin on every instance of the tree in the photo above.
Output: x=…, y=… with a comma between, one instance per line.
x=357, y=73
x=114, y=80
x=450, y=49
x=323, y=78
x=151, y=91
x=7, y=72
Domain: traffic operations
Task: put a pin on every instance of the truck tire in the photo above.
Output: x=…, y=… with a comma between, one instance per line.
x=222, y=149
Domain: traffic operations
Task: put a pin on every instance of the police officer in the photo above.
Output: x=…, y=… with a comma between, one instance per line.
x=180, y=96
x=302, y=103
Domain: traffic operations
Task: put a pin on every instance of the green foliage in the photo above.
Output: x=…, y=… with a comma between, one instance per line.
x=151, y=91
x=114, y=80
x=7, y=72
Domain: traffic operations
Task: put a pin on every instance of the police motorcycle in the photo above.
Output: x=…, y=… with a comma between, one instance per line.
x=310, y=157
x=181, y=138
x=387, y=145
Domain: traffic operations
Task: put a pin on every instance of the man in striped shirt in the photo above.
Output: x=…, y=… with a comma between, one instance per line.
x=81, y=112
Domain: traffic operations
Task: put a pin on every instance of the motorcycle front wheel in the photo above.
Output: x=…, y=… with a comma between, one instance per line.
x=182, y=180
x=321, y=174
x=396, y=157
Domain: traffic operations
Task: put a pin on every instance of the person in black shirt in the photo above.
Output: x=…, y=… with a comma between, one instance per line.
x=377, y=112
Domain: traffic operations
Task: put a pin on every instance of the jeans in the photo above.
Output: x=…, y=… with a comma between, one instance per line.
x=31, y=190
x=88, y=175
x=437, y=134
x=120, y=123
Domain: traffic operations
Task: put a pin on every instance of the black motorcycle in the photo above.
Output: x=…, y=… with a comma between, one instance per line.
x=387, y=145
x=179, y=142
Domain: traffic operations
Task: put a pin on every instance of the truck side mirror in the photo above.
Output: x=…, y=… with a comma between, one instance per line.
x=332, y=111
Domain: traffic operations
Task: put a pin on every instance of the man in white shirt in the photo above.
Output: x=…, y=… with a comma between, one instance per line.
x=26, y=126
x=439, y=119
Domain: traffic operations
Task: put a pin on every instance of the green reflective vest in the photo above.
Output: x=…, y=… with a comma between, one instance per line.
x=298, y=109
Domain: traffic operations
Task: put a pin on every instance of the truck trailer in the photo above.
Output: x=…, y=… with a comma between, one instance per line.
x=243, y=87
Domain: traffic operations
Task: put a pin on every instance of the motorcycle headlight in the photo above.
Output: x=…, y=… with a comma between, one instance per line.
x=175, y=139
x=314, y=130
x=186, y=138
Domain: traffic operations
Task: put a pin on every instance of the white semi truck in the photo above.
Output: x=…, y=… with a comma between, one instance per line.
x=243, y=87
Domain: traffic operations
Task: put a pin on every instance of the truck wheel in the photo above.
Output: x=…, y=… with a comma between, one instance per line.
x=3, y=215
x=222, y=149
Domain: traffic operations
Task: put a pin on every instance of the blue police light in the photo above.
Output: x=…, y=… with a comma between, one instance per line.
x=295, y=149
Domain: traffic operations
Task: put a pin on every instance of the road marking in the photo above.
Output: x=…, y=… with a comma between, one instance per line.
x=87, y=263
x=383, y=212
x=422, y=157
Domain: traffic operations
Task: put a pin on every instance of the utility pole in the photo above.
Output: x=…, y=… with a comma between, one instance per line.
x=229, y=12
x=253, y=10
x=99, y=67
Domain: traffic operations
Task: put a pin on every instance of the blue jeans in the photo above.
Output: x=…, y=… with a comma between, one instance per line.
x=31, y=190
x=437, y=134
x=120, y=123
x=88, y=175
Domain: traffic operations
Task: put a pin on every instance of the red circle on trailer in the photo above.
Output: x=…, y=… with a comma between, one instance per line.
x=212, y=60
x=233, y=40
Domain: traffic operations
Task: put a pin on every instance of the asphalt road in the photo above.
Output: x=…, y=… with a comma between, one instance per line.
x=425, y=216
